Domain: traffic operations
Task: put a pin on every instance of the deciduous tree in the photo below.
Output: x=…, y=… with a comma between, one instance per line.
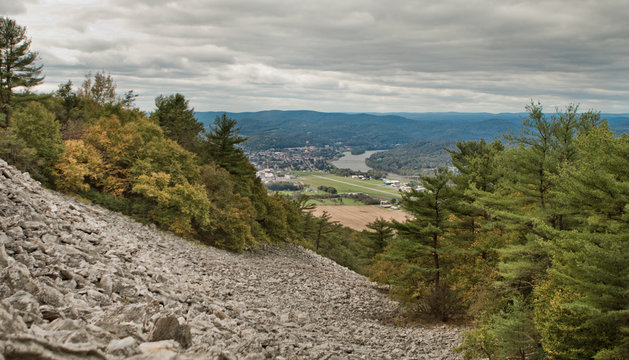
x=40, y=130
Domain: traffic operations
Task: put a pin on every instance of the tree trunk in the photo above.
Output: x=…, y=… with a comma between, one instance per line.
x=436, y=259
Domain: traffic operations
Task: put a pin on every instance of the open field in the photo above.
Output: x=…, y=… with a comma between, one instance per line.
x=358, y=216
x=342, y=184
x=324, y=201
x=334, y=202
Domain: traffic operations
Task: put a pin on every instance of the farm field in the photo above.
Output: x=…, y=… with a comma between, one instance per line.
x=358, y=216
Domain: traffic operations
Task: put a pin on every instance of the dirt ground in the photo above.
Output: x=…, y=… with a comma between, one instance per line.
x=358, y=216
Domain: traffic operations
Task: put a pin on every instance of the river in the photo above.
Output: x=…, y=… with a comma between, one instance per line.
x=354, y=162
x=357, y=163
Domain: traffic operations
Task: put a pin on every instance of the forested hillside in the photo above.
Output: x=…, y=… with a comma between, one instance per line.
x=166, y=168
x=531, y=239
x=280, y=129
x=411, y=158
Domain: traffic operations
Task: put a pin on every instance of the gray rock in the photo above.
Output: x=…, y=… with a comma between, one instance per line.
x=26, y=306
x=75, y=278
x=96, y=298
x=106, y=284
x=167, y=328
x=15, y=232
x=49, y=296
x=4, y=258
x=49, y=238
x=50, y=313
x=30, y=347
x=10, y=321
x=164, y=348
x=123, y=347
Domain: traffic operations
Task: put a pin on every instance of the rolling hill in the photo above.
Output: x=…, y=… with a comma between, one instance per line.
x=281, y=129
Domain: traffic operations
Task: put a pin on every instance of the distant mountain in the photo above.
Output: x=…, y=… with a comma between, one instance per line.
x=459, y=117
x=618, y=122
x=281, y=129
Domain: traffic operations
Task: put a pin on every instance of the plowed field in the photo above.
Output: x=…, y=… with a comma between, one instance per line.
x=358, y=216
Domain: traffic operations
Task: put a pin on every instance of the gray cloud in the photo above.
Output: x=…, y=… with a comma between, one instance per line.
x=15, y=7
x=351, y=55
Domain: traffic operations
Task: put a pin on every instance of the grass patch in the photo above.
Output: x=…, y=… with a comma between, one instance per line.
x=343, y=185
x=336, y=201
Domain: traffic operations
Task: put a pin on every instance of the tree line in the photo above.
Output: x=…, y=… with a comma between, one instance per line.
x=165, y=168
x=530, y=239
x=413, y=158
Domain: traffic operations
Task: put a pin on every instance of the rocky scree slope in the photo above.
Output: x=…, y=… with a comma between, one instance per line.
x=78, y=281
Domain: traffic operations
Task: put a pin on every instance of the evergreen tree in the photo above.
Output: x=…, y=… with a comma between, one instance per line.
x=381, y=235
x=582, y=309
x=17, y=64
x=514, y=332
x=177, y=120
x=563, y=273
x=323, y=227
x=534, y=162
x=477, y=164
x=525, y=196
x=423, y=246
x=220, y=146
x=476, y=232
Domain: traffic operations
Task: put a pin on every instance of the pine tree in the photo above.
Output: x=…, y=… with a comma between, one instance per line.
x=525, y=198
x=477, y=164
x=220, y=146
x=176, y=118
x=534, y=162
x=17, y=64
x=423, y=245
x=583, y=311
x=475, y=231
x=525, y=204
x=323, y=227
x=381, y=235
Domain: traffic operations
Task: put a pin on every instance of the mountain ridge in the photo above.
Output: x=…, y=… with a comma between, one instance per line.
x=293, y=128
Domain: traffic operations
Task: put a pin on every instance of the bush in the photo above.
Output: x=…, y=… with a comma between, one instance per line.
x=328, y=189
x=42, y=132
x=284, y=186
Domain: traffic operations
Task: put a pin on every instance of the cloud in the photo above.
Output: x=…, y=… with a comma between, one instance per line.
x=351, y=55
x=11, y=8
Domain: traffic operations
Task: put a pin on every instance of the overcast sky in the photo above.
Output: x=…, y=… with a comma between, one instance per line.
x=340, y=55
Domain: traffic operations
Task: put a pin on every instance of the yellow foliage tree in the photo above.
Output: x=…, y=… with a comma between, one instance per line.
x=178, y=206
x=80, y=166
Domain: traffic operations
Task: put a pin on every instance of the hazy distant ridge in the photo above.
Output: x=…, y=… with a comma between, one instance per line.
x=279, y=129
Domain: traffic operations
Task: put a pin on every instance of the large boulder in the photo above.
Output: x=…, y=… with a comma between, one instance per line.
x=167, y=328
